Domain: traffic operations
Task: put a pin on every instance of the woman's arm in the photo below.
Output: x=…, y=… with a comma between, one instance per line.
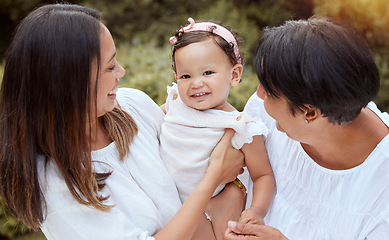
x=224, y=165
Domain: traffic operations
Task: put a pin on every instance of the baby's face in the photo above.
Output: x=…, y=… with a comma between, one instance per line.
x=204, y=75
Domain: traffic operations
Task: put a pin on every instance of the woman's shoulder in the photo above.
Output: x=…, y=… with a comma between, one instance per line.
x=135, y=100
x=127, y=96
x=140, y=106
x=384, y=116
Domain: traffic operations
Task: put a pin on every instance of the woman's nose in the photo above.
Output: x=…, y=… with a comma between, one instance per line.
x=120, y=72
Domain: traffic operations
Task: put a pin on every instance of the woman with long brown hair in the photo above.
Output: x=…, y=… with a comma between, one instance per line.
x=79, y=158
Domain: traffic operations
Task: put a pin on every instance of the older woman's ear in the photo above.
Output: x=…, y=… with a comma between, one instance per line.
x=260, y=92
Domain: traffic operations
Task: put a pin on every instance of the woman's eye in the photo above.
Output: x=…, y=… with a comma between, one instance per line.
x=207, y=73
x=113, y=67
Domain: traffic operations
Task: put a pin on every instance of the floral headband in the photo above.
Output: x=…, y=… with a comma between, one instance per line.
x=210, y=27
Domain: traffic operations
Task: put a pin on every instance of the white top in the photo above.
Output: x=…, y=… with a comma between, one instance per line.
x=142, y=192
x=313, y=202
x=188, y=137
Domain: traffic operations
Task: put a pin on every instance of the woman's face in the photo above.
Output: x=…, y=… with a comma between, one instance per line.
x=278, y=108
x=110, y=72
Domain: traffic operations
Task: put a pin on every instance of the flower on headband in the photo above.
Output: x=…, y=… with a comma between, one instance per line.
x=190, y=26
x=174, y=39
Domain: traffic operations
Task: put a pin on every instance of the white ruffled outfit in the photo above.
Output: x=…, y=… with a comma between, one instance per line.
x=142, y=193
x=312, y=202
x=188, y=137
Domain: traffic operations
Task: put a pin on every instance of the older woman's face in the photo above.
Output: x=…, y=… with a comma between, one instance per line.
x=278, y=108
x=110, y=72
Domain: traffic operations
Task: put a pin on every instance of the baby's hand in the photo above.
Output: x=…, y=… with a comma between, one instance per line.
x=252, y=215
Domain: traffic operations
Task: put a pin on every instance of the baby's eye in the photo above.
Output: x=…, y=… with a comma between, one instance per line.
x=207, y=73
x=186, y=76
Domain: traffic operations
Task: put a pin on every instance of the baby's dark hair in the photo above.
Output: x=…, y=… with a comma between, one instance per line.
x=187, y=38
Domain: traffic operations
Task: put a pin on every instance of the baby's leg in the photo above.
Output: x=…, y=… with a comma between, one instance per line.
x=204, y=230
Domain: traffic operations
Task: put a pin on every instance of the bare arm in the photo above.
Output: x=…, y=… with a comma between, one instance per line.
x=225, y=164
x=262, y=175
x=163, y=107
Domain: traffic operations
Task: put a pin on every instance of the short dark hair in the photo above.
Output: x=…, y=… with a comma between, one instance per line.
x=318, y=62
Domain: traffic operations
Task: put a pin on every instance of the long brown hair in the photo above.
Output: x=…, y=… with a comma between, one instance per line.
x=44, y=109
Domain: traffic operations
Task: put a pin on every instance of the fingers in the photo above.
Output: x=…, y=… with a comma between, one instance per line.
x=225, y=160
x=244, y=229
x=236, y=227
x=224, y=144
x=238, y=230
x=229, y=235
x=243, y=218
x=228, y=134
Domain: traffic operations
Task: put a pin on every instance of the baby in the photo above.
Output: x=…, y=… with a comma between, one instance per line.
x=207, y=63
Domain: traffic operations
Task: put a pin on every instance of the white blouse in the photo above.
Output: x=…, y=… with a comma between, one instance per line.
x=142, y=192
x=312, y=202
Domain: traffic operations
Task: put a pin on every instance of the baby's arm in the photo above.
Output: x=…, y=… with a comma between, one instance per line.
x=261, y=173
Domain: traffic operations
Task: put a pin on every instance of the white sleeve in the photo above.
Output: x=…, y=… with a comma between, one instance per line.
x=75, y=221
x=67, y=219
x=255, y=108
x=380, y=231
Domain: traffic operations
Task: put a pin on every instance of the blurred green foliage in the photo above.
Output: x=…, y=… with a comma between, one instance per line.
x=10, y=228
x=147, y=68
x=370, y=18
x=141, y=29
x=383, y=95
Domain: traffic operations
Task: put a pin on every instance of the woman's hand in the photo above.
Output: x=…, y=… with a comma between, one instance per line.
x=224, y=207
x=248, y=231
x=225, y=161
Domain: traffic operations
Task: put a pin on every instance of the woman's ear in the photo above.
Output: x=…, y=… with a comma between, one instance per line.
x=260, y=92
x=311, y=113
x=237, y=71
